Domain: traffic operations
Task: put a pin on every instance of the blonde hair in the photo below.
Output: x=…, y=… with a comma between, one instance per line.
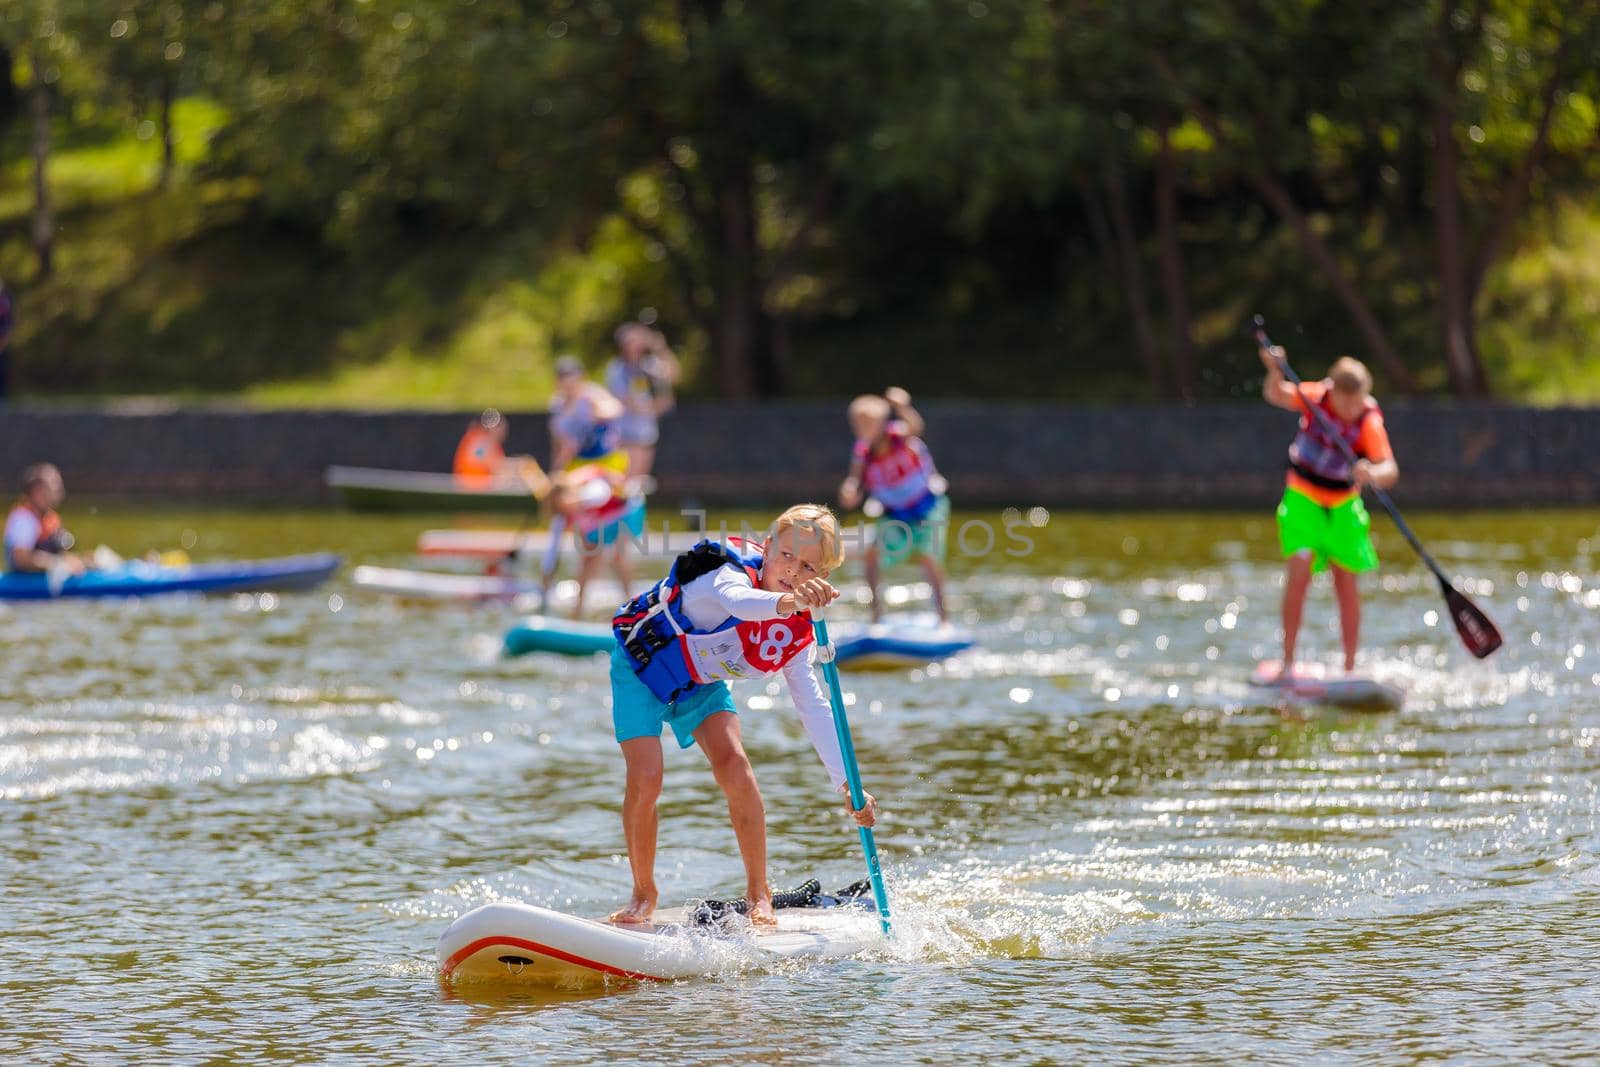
x=815, y=522
x=868, y=407
x=1350, y=376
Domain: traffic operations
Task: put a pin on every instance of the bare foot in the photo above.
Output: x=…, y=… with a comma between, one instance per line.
x=760, y=912
x=641, y=909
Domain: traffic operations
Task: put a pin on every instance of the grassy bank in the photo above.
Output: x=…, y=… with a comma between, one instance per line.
x=194, y=291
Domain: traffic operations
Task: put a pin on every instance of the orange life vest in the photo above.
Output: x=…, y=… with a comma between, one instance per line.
x=479, y=455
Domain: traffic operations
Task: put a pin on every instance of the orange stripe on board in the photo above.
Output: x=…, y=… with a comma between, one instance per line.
x=544, y=950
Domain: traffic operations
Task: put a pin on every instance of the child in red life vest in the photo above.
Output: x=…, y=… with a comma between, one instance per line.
x=891, y=464
x=726, y=611
x=602, y=509
x=1321, y=519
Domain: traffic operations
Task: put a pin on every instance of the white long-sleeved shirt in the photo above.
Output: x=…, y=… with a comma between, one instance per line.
x=710, y=599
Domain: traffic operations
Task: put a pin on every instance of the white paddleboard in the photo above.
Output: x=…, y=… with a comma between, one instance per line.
x=532, y=545
x=1313, y=684
x=431, y=585
x=524, y=944
x=602, y=596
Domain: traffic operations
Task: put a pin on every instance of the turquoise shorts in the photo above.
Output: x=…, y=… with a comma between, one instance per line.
x=631, y=520
x=897, y=540
x=636, y=712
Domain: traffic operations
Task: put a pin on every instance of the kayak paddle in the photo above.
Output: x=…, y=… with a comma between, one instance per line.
x=1478, y=633
x=852, y=773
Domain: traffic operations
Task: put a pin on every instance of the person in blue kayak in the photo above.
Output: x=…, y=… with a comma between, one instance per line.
x=583, y=422
x=727, y=610
x=34, y=537
x=891, y=465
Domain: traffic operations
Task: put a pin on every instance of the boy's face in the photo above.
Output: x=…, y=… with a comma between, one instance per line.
x=1348, y=406
x=866, y=425
x=792, y=556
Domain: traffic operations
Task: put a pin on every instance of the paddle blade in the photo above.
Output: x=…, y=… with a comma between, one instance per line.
x=1478, y=633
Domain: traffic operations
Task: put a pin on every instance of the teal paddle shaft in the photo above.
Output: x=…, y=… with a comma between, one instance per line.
x=852, y=773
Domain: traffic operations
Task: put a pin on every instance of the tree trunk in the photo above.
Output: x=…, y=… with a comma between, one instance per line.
x=1111, y=267
x=168, y=145
x=1455, y=310
x=1457, y=325
x=1133, y=285
x=1514, y=195
x=10, y=98
x=1172, y=273
x=43, y=228
x=739, y=312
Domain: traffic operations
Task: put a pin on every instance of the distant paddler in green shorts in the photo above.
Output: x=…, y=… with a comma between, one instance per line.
x=892, y=465
x=1321, y=519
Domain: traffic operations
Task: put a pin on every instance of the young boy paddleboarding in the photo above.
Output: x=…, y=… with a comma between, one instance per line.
x=727, y=610
x=1322, y=522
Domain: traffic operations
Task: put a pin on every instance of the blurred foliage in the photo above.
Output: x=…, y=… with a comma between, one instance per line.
x=422, y=201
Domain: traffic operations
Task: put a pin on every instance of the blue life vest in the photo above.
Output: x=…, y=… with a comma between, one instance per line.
x=600, y=440
x=671, y=655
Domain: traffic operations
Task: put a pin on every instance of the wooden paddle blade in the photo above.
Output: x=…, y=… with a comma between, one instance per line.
x=1478, y=632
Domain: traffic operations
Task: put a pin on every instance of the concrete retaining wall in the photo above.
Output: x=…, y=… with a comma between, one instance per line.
x=993, y=455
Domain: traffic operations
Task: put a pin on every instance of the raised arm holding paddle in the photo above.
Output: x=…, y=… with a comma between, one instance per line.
x=1342, y=448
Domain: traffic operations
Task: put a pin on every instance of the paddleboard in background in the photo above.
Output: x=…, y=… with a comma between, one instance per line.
x=567, y=637
x=883, y=646
x=431, y=585
x=898, y=643
x=139, y=578
x=603, y=596
x=520, y=944
x=532, y=545
x=1313, y=684
x=371, y=489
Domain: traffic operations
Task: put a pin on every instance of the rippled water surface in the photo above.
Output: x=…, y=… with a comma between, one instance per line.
x=233, y=828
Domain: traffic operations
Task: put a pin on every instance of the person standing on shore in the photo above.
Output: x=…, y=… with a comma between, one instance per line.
x=642, y=375
x=583, y=422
